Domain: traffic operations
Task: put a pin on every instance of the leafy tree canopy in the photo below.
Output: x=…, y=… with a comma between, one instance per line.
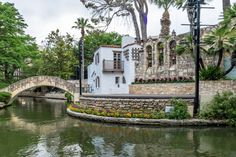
x=15, y=45
x=58, y=58
x=97, y=38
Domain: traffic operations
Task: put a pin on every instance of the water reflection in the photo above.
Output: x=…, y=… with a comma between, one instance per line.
x=38, y=127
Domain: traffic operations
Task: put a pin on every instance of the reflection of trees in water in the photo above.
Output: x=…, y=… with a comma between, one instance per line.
x=39, y=110
x=62, y=135
x=116, y=140
x=13, y=141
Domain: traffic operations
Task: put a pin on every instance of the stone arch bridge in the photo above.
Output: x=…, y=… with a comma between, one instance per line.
x=37, y=81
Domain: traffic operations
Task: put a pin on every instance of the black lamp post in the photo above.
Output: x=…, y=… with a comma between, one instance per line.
x=81, y=47
x=196, y=39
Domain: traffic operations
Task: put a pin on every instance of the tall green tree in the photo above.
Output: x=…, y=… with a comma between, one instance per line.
x=15, y=45
x=165, y=21
x=95, y=39
x=83, y=25
x=58, y=57
x=218, y=42
x=186, y=46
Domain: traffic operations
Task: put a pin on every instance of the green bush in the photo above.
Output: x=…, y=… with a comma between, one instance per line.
x=211, y=73
x=69, y=97
x=5, y=97
x=222, y=106
x=158, y=115
x=180, y=110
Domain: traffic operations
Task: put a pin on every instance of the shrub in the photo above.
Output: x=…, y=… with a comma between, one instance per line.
x=180, y=110
x=158, y=115
x=5, y=97
x=222, y=106
x=211, y=73
x=69, y=97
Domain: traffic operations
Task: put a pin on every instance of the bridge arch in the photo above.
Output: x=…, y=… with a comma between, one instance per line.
x=37, y=81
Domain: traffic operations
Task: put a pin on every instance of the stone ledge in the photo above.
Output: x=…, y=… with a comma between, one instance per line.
x=148, y=122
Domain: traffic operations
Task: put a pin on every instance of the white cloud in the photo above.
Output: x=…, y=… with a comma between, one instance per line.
x=43, y=16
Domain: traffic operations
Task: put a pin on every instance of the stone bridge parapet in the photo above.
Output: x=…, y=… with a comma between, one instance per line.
x=37, y=81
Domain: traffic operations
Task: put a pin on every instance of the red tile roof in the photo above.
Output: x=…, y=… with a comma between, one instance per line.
x=111, y=46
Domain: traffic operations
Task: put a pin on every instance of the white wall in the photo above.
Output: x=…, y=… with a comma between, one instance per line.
x=107, y=79
x=127, y=40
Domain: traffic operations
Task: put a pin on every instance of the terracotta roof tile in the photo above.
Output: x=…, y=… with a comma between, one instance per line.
x=111, y=46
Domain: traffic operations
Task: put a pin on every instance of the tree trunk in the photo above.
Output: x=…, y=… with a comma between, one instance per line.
x=220, y=57
x=165, y=24
x=82, y=51
x=135, y=22
x=190, y=12
x=82, y=68
x=142, y=8
x=143, y=26
x=225, y=4
x=202, y=66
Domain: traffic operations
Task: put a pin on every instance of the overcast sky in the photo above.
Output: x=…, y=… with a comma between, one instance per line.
x=43, y=16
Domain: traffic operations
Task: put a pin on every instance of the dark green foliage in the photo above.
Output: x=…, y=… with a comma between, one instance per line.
x=15, y=45
x=69, y=97
x=58, y=58
x=211, y=73
x=222, y=106
x=180, y=110
x=95, y=39
x=3, y=85
x=5, y=97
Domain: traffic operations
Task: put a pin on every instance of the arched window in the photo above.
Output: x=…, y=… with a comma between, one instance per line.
x=160, y=49
x=149, y=56
x=97, y=82
x=97, y=58
x=172, y=52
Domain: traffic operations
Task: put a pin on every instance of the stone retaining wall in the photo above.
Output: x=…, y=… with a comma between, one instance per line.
x=135, y=106
x=163, y=89
x=148, y=122
x=207, y=88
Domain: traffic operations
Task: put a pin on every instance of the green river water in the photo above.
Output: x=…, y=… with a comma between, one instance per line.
x=41, y=128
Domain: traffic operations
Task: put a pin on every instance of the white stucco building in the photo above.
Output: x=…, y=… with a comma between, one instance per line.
x=113, y=67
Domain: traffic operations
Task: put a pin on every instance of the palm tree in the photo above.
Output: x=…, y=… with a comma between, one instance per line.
x=223, y=39
x=186, y=46
x=165, y=21
x=190, y=10
x=83, y=25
